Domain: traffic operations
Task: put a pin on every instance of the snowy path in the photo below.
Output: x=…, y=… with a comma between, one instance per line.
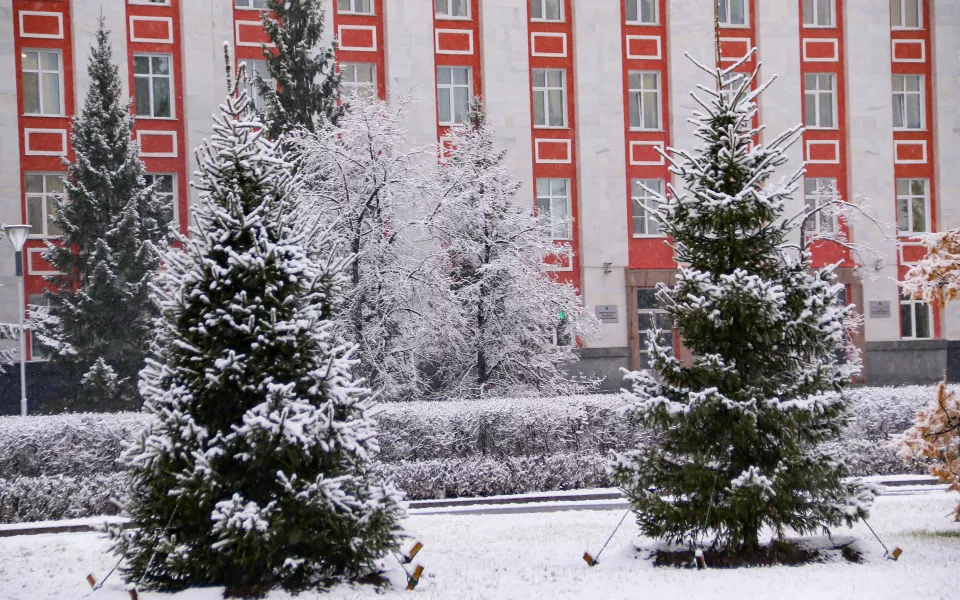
x=535, y=556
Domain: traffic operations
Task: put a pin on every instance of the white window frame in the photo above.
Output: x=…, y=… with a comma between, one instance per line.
x=40, y=71
x=355, y=86
x=909, y=197
x=173, y=194
x=639, y=21
x=151, y=76
x=921, y=93
x=150, y=2
x=641, y=333
x=726, y=15
x=44, y=196
x=816, y=16
x=817, y=95
x=553, y=227
x=903, y=15
x=543, y=11
x=641, y=204
x=248, y=5
x=825, y=189
x=452, y=87
x=639, y=93
x=252, y=90
x=916, y=305
x=545, y=90
x=447, y=16
x=353, y=8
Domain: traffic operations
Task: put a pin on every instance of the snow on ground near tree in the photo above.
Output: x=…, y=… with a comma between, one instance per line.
x=538, y=556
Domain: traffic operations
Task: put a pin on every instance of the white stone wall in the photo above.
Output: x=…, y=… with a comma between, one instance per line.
x=506, y=84
x=870, y=116
x=86, y=15
x=206, y=26
x=410, y=66
x=602, y=169
x=946, y=107
x=10, y=211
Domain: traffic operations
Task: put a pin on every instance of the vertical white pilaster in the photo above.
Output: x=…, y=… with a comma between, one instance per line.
x=602, y=176
x=10, y=193
x=410, y=65
x=86, y=15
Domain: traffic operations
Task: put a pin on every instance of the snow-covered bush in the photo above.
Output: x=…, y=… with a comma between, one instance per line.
x=28, y=499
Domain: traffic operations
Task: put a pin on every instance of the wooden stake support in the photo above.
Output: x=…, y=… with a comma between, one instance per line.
x=701, y=561
x=91, y=580
x=133, y=594
x=591, y=562
x=409, y=556
x=413, y=580
x=895, y=554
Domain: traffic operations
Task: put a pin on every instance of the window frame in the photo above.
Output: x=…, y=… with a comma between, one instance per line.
x=452, y=86
x=353, y=11
x=641, y=202
x=903, y=16
x=914, y=305
x=639, y=92
x=654, y=312
x=727, y=24
x=151, y=76
x=175, y=200
x=40, y=71
x=814, y=25
x=639, y=21
x=44, y=206
x=552, y=226
x=543, y=9
x=448, y=17
x=353, y=84
x=815, y=196
x=546, y=88
x=150, y=2
x=921, y=93
x=909, y=198
x=818, y=93
x=251, y=7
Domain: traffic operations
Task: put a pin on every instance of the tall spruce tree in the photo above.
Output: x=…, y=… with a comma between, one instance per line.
x=741, y=427
x=113, y=226
x=257, y=472
x=304, y=87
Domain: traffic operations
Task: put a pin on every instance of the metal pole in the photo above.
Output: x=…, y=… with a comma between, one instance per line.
x=23, y=339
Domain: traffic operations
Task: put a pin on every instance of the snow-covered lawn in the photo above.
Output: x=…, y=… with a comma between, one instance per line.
x=534, y=556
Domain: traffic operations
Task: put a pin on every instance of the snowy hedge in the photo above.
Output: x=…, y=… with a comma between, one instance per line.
x=64, y=466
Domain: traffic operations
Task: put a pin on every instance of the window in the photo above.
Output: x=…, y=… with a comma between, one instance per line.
x=549, y=98
x=359, y=79
x=251, y=3
x=651, y=317
x=818, y=13
x=916, y=320
x=38, y=352
x=553, y=207
x=642, y=11
x=453, y=94
x=644, y=100
x=357, y=7
x=546, y=10
x=731, y=85
x=165, y=191
x=153, y=85
x=149, y=1
x=908, y=102
x=732, y=12
x=453, y=9
x=644, y=203
x=905, y=14
x=912, y=206
x=254, y=68
x=819, y=94
x=817, y=192
x=42, y=190
x=42, y=82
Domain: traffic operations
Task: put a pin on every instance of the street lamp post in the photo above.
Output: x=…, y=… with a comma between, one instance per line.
x=18, y=235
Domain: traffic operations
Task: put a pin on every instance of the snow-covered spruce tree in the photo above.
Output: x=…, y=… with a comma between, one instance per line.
x=257, y=473
x=304, y=89
x=361, y=173
x=114, y=227
x=740, y=427
x=515, y=326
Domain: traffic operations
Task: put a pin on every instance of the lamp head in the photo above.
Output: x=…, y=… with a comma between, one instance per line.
x=17, y=234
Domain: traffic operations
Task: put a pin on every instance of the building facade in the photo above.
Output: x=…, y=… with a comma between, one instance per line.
x=583, y=94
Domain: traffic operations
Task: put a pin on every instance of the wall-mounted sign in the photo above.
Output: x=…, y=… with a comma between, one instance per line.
x=880, y=309
x=608, y=313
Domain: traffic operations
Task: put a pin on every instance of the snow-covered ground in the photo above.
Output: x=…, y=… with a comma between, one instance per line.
x=535, y=556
